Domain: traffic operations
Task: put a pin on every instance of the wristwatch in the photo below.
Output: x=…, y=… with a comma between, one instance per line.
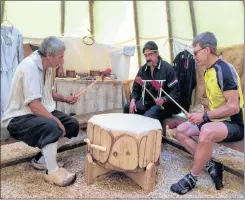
x=205, y=117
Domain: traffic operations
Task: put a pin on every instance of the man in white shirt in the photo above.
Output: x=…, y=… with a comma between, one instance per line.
x=30, y=114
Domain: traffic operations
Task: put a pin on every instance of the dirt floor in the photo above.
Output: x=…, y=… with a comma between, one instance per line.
x=23, y=181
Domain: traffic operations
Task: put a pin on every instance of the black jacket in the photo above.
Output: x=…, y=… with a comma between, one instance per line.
x=185, y=68
x=163, y=71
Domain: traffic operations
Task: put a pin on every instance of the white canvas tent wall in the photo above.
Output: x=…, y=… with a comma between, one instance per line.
x=120, y=23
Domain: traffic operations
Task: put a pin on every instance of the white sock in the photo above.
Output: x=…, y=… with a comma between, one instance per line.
x=49, y=153
x=62, y=141
x=195, y=175
x=41, y=160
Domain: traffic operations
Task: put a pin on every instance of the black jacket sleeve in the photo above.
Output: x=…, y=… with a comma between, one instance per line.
x=137, y=89
x=172, y=86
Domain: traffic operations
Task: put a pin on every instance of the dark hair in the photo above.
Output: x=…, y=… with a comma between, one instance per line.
x=151, y=46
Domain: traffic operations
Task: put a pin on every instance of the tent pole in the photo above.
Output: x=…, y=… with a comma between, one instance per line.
x=170, y=31
x=2, y=10
x=137, y=31
x=91, y=17
x=62, y=26
x=193, y=19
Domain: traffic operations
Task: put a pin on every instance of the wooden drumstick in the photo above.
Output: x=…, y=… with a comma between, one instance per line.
x=158, y=86
x=105, y=73
x=94, y=146
x=140, y=82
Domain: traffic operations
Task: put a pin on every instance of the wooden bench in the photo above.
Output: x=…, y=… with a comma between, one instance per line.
x=234, y=147
x=6, y=138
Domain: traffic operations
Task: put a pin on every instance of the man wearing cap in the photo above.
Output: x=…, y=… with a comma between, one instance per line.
x=154, y=69
x=30, y=114
x=224, y=122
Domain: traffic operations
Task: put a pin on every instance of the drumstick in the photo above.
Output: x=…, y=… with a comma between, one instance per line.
x=140, y=82
x=158, y=86
x=105, y=73
x=97, y=147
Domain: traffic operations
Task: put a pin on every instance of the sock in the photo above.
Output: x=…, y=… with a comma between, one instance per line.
x=41, y=160
x=49, y=153
x=193, y=176
x=209, y=164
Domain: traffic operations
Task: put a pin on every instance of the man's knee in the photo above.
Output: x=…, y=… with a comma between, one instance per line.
x=153, y=112
x=52, y=126
x=73, y=129
x=180, y=136
x=182, y=128
x=206, y=135
x=183, y=131
x=48, y=133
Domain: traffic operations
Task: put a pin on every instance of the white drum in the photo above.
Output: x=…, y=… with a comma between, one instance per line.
x=130, y=141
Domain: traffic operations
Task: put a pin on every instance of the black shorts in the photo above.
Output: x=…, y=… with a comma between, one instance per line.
x=235, y=131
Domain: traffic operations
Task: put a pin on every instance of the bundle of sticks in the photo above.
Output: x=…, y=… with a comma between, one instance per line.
x=140, y=82
x=158, y=87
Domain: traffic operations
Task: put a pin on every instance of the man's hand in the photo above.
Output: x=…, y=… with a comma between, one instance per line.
x=38, y=109
x=160, y=101
x=59, y=71
x=71, y=99
x=132, y=107
x=195, y=118
x=61, y=126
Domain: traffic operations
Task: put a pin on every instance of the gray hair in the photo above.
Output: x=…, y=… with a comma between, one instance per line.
x=50, y=46
x=206, y=39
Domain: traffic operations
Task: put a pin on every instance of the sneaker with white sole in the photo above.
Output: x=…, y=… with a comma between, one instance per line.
x=61, y=177
x=42, y=166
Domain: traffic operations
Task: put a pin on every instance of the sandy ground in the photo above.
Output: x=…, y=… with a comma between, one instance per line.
x=23, y=181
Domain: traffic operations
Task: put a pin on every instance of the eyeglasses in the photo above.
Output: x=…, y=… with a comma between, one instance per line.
x=196, y=52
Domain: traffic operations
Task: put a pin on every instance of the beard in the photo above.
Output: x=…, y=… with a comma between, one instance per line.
x=149, y=63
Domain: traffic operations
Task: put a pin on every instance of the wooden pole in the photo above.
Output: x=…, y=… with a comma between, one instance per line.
x=62, y=26
x=2, y=10
x=193, y=19
x=91, y=16
x=137, y=31
x=170, y=35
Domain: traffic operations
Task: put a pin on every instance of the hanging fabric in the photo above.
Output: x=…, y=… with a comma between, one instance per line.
x=185, y=68
x=12, y=53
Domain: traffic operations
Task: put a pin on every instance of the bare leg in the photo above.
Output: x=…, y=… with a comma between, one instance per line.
x=210, y=133
x=184, y=133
